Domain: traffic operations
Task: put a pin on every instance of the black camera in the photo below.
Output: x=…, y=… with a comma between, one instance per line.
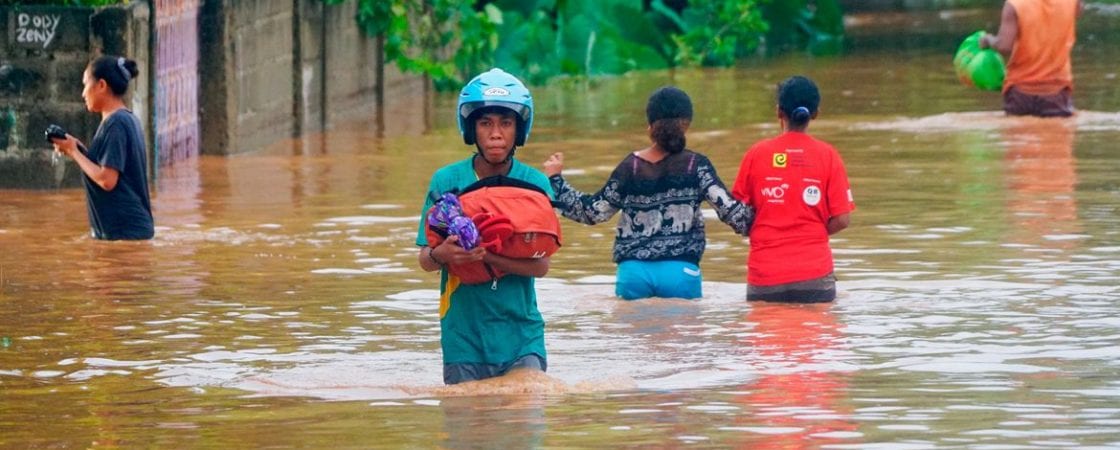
x=54, y=132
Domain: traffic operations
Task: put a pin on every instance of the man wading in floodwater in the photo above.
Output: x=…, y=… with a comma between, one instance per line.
x=487, y=329
x=1036, y=37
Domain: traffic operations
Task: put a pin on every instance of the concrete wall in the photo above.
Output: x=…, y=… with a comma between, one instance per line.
x=349, y=91
x=245, y=73
x=309, y=68
x=43, y=52
x=406, y=107
x=275, y=69
x=337, y=68
x=262, y=58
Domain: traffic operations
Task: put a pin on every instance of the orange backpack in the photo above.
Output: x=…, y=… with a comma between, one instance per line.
x=535, y=227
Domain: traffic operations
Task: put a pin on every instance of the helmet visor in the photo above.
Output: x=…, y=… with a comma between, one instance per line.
x=467, y=109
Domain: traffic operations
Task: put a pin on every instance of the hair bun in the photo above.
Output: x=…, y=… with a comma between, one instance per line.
x=128, y=68
x=132, y=68
x=800, y=114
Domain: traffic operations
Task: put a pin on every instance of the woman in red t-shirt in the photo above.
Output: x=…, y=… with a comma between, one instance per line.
x=799, y=190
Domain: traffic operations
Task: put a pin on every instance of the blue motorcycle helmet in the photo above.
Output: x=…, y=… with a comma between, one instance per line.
x=495, y=88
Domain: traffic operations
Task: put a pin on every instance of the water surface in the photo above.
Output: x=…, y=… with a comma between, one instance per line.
x=281, y=305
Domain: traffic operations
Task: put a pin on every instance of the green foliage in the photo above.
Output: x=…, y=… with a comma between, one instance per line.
x=542, y=39
x=444, y=39
x=451, y=40
x=62, y=2
x=715, y=32
x=815, y=25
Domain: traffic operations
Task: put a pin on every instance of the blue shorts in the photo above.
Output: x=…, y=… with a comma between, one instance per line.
x=666, y=279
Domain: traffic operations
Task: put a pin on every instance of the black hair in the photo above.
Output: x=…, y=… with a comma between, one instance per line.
x=669, y=112
x=798, y=98
x=116, y=71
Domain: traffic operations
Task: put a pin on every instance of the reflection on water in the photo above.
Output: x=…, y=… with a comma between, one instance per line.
x=521, y=419
x=1040, y=182
x=280, y=304
x=799, y=399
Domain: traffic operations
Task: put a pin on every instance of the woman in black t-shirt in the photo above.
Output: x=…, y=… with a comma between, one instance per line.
x=115, y=164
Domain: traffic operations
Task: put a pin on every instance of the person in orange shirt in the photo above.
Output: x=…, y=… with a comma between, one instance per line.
x=1036, y=37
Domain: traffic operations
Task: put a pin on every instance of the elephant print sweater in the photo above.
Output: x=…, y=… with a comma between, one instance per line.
x=660, y=205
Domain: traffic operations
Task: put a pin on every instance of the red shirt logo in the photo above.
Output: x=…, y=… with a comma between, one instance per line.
x=780, y=160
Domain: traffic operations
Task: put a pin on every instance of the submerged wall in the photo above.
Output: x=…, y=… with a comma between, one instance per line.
x=276, y=69
x=268, y=70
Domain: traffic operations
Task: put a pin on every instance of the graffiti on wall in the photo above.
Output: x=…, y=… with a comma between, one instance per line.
x=177, y=135
x=35, y=30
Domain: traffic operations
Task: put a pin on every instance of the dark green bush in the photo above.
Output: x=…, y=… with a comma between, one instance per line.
x=449, y=40
x=62, y=2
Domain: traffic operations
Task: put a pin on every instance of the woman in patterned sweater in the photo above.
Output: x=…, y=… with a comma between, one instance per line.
x=660, y=236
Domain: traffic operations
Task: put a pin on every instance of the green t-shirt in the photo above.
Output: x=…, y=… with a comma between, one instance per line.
x=480, y=324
